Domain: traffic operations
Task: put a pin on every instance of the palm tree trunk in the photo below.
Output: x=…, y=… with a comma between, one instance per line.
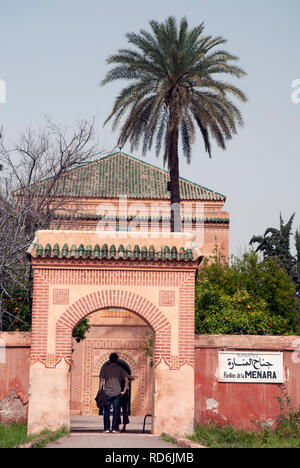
x=174, y=182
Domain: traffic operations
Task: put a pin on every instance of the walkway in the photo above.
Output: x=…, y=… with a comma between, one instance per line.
x=95, y=424
x=87, y=432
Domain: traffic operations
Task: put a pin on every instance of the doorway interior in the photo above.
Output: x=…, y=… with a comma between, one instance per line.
x=123, y=332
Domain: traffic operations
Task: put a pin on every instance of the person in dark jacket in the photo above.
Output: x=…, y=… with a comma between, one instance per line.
x=101, y=401
x=111, y=377
x=124, y=405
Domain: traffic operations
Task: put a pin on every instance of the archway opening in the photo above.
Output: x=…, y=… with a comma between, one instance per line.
x=131, y=337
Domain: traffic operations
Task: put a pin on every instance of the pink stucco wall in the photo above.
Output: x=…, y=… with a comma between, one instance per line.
x=243, y=405
x=14, y=376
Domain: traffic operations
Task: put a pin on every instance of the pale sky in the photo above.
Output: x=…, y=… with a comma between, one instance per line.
x=53, y=56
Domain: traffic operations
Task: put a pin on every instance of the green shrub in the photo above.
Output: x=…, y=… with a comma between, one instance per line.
x=81, y=329
x=288, y=421
x=246, y=297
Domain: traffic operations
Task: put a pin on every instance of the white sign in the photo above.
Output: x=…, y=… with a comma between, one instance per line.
x=261, y=367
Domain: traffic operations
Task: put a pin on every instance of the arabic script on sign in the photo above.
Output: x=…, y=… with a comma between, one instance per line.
x=255, y=363
x=249, y=367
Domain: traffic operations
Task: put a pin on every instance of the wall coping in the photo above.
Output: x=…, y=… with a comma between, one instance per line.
x=259, y=342
x=249, y=342
x=16, y=339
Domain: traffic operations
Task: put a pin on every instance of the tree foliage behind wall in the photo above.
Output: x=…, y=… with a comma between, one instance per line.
x=246, y=297
x=275, y=243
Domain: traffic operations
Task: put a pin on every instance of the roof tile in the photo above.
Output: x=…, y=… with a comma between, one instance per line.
x=163, y=253
x=121, y=174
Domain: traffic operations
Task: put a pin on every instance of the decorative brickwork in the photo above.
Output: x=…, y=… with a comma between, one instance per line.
x=61, y=297
x=116, y=299
x=50, y=360
x=68, y=288
x=116, y=313
x=141, y=389
x=40, y=308
x=187, y=321
x=167, y=298
x=174, y=362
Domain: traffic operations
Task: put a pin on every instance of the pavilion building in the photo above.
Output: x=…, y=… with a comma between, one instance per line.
x=122, y=193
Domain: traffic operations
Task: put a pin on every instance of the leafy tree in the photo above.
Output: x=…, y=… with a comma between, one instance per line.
x=246, y=297
x=16, y=314
x=81, y=329
x=174, y=89
x=16, y=311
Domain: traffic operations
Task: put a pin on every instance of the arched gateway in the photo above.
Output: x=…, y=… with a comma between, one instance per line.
x=79, y=272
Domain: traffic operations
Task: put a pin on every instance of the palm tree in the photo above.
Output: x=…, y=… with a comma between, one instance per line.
x=174, y=90
x=276, y=243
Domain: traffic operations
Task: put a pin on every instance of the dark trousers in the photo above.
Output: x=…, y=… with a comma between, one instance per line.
x=124, y=408
x=115, y=401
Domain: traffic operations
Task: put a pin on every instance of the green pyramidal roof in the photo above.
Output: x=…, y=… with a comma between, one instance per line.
x=121, y=174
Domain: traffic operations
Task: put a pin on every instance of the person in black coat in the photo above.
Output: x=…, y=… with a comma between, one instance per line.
x=124, y=405
x=101, y=400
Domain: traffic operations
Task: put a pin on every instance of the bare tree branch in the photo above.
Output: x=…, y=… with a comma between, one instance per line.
x=30, y=197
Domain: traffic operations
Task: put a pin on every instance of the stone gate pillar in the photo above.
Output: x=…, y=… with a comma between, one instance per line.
x=77, y=273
